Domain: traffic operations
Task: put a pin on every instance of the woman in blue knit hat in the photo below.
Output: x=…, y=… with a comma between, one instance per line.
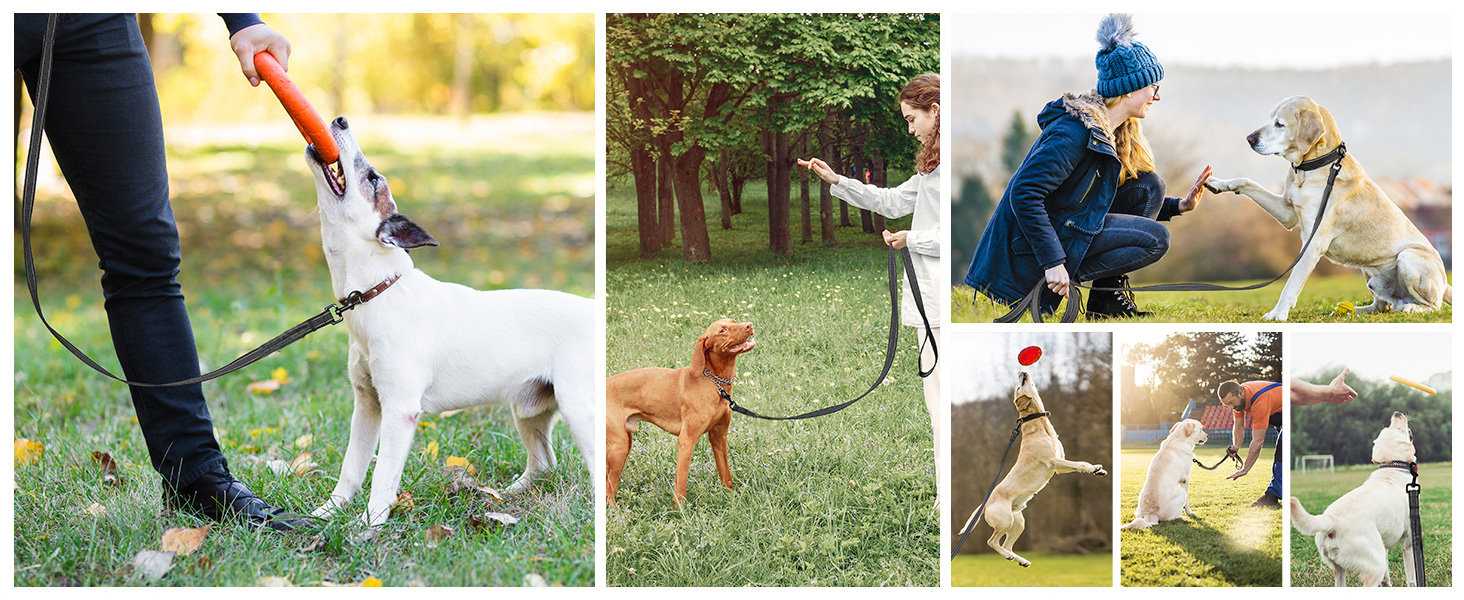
x=1085, y=203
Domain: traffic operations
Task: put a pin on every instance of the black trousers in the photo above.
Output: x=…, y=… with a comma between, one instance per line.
x=106, y=130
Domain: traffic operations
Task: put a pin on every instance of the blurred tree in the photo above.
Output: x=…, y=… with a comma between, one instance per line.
x=1266, y=356
x=1347, y=431
x=971, y=207
x=1015, y=144
x=1191, y=365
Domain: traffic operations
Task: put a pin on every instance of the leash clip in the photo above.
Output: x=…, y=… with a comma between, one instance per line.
x=338, y=310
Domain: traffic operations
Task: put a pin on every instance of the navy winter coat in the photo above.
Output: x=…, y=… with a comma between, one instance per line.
x=1054, y=204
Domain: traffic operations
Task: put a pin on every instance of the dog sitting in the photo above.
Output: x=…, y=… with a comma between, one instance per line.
x=1362, y=228
x=1165, y=495
x=1355, y=532
x=1038, y=459
x=421, y=345
x=684, y=402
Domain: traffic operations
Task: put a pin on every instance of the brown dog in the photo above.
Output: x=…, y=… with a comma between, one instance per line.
x=683, y=402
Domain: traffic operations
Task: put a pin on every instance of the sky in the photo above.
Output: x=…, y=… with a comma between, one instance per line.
x=1371, y=355
x=1268, y=41
x=988, y=361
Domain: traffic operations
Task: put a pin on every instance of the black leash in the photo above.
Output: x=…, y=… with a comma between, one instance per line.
x=1415, y=520
x=333, y=313
x=975, y=516
x=1228, y=454
x=1032, y=303
x=910, y=277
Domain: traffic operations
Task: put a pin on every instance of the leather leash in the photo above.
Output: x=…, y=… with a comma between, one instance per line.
x=1415, y=521
x=1032, y=303
x=333, y=313
x=1228, y=454
x=910, y=276
x=975, y=515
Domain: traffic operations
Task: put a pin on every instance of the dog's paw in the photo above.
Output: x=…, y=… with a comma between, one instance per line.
x=1218, y=186
x=1098, y=470
x=1276, y=315
x=325, y=511
x=1024, y=562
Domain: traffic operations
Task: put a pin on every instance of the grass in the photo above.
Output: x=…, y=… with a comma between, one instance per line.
x=1318, y=300
x=1317, y=490
x=1047, y=570
x=252, y=267
x=1228, y=544
x=842, y=500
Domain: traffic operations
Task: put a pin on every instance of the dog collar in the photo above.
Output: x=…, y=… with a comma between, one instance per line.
x=1033, y=417
x=719, y=382
x=1398, y=464
x=1326, y=159
x=359, y=297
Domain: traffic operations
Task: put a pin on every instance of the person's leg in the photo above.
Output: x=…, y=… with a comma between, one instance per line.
x=1142, y=196
x=105, y=128
x=1126, y=244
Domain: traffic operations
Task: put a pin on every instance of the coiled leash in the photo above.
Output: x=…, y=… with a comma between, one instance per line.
x=1415, y=521
x=975, y=516
x=913, y=280
x=333, y=313
x=1235, y=456
x=1032, y=302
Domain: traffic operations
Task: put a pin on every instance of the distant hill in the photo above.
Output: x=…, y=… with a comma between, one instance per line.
x=1396, y=119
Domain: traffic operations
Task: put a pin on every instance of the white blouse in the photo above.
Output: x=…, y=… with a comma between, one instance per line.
x=920, y=195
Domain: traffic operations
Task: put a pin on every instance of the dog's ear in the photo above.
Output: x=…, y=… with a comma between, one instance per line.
x=699, y=354
x=1309, y=127
x=1189, y=428
x=1175, y=427
x=399, y=231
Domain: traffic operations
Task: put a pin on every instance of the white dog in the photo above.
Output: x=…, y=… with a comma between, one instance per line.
x=1038, y=459
x=1362, y=228
x=421, y=345
x=1356, y=531
x=1166, y=489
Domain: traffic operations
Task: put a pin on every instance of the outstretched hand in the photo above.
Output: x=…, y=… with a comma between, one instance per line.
x=258, y=38
x=1339, y=392
x=821, y=169
x=1192, y=201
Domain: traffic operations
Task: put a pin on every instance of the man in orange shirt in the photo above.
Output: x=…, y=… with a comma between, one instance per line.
x=1262, y=401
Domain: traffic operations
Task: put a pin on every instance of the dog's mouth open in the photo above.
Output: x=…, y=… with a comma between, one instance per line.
x=335, y=174
x=747, y=342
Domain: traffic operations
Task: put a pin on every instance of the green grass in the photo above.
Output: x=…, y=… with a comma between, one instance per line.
x=841, y=500
x=1047, y=570
x=1228, y=544
x=252, y=267
x=1317, y=490
x=1318, y=300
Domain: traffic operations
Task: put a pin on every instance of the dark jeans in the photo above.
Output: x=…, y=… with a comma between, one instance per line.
x=1132, y=238
x=106, y=130
x=1276, y=459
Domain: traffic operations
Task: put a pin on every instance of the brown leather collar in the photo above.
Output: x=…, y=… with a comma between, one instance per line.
x=354, y=298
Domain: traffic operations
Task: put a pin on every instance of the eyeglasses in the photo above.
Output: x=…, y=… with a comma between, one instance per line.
x=1156, y=89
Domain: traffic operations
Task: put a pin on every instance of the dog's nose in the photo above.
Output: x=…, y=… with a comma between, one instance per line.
x=1397, y=414
x=1252, y=139
x=340, y=122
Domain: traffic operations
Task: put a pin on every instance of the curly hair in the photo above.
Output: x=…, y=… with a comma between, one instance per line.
x=923, y=92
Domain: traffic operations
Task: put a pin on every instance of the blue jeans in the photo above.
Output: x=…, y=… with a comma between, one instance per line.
x=1275, y=488
x=1132, y=238
x=106, y=131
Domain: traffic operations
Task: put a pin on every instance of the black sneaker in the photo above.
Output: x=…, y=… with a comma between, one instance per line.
x=1110, y=304
x=217, y=496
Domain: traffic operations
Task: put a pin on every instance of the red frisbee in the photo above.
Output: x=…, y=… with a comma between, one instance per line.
x=1029, y=355
x=306, y=119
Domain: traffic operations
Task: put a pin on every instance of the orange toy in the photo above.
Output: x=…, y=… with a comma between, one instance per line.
x=306, y=119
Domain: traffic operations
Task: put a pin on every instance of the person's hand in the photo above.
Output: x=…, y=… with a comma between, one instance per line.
x=1057, y=280
x=258, y=38
x=1192, y=201
x=896, y=240
x=1339, y=392
x=821, y=169
x=1232, y=451
x=1237, y=474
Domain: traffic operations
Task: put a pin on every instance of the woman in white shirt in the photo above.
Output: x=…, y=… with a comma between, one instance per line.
x=920, y=104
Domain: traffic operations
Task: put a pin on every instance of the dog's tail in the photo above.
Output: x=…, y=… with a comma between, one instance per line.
x=1305, y=522
x=1139, y=523
x=1449, y=295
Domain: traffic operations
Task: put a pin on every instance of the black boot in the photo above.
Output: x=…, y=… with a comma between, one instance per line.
x=1110, y=304
x=217, y=496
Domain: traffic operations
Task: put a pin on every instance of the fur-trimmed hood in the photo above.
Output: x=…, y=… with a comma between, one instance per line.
x=1088, y=108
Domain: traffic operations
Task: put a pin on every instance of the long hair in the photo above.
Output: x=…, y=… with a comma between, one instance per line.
x=923, y=92
x=1133, y=150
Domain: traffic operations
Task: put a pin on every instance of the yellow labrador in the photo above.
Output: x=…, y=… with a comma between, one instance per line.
x=1166, y=489
x=1362, y=228
x=1356, y=531
x=1038, y=459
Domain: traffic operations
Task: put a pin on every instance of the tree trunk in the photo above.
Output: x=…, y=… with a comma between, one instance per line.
x=877, y=178
x=780, y=236
x=695, y=242
x=665, y=191
x=460, y=91
x=643, y=168
x=724, y=191
x=826, y=199
x=738, y=181
x=803, y=190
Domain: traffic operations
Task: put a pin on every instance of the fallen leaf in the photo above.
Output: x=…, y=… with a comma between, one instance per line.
x=302, y=465
x=152, y=564
x=404, y=503
x=459, y=481
x=108, y=466
x=279, y=467
x=535, y=580
x=280, y=375
x=96, y=510
x=371, y=582
x=431, y=450
x=462, y=463
x=183, y=541
x=273, y=581
x=492, y=521
x=304, y=441
x=263, y=387
x=28, y=451
x=437, y=533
